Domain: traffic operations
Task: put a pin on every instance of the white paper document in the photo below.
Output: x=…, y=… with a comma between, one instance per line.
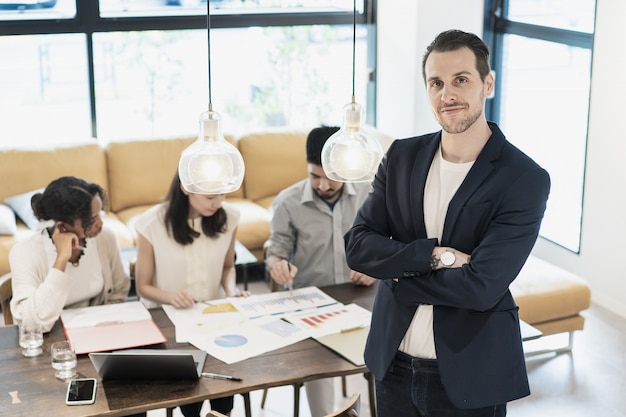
x=248, y=338
x=202, y=317
x=282, y=302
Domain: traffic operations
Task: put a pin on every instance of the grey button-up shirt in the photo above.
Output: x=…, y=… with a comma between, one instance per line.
x=310, y=235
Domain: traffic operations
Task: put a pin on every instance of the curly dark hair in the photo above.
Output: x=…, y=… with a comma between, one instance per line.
x=178, y=211
x=67, y=199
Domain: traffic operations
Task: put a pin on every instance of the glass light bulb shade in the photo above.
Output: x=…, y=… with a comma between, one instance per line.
x=211, y=165
x=350, y=155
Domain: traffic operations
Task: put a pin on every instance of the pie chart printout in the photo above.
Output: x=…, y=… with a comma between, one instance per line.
x=231, y=340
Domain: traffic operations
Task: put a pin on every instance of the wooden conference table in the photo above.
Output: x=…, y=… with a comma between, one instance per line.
x=28, y=386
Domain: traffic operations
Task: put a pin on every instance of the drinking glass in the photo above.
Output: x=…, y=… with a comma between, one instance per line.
x=63, y=360
x=31, y=338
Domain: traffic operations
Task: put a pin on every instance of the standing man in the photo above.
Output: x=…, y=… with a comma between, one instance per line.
x=452, y=217
x=306, y=246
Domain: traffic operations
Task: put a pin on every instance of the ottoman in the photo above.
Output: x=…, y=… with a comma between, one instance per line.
x=551, y=299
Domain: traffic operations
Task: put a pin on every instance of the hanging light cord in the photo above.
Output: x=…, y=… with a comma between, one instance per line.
x=208, y=31
x=353, y=48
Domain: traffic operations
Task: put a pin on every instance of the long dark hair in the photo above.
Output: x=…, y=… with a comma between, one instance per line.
x=178, y=211
x=67, y=199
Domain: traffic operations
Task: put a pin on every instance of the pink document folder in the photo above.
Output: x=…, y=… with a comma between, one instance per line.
x=110, y=327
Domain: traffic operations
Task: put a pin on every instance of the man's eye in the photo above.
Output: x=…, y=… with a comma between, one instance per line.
x=436, y=84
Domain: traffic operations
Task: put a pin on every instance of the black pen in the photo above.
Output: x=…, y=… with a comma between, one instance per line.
x=290, y=284
x=218, y=376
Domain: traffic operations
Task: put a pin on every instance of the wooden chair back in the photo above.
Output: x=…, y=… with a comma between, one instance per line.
x=351, y=409
x=6, y=292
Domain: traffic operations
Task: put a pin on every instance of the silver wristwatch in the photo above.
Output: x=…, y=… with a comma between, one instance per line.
x=448, y=258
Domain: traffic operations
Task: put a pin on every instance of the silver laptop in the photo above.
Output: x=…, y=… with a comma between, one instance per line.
x=149, y=364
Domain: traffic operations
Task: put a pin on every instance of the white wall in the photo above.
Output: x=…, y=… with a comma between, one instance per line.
x=406, y=27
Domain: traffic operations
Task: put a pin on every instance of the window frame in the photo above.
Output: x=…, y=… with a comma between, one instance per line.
x=496, y=27
x=88, y=21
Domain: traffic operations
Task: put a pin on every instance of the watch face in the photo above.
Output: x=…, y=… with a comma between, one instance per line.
x=448, y=258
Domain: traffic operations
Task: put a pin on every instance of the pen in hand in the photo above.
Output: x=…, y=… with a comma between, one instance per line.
x=290, y=283
x=218, y=376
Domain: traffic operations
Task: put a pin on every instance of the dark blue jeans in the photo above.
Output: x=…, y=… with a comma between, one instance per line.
x=412, y=388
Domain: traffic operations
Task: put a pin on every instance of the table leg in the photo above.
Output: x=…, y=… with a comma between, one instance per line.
x=372, y=392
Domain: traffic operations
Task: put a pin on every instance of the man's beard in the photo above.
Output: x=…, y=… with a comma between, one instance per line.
x=462, y=125
x=327, y=197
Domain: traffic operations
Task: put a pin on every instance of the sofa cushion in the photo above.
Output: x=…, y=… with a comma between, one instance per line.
x=22, y=208
x=129, y=217
x=546, y=292
x=128, y=163
x=25, y=170
x=8, y=226
x=254, y=225
x=124, y=236
x=274, y=160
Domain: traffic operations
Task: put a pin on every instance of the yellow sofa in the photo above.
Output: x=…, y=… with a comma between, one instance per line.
x=137, y=174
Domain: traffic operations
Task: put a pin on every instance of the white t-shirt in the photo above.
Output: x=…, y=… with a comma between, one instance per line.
x=444, y=179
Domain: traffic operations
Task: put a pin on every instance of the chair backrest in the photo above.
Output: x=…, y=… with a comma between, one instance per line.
x=214, y=413
x=351, y=409
x=6, y=292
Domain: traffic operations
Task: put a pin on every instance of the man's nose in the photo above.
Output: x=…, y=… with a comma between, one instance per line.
x=324, y=184
x=448, y=94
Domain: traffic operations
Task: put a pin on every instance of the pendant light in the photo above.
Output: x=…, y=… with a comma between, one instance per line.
x=350, y=155
x=210, y=165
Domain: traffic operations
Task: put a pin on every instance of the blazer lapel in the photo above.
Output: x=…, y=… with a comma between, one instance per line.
x=421, y=166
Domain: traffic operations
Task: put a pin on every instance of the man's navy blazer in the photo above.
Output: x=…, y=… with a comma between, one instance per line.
x=495, y=217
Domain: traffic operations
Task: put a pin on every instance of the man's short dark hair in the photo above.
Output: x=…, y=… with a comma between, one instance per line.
x=315, y=142
x=452, y=40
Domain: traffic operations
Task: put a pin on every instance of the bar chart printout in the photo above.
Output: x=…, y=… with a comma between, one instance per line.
x=336, y=318
x=282, y=302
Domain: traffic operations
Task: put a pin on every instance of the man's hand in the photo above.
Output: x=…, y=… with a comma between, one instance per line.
x=358, y=278
x=281, y=270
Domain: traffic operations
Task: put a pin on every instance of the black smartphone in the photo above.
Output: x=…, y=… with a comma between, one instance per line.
x=81, y=391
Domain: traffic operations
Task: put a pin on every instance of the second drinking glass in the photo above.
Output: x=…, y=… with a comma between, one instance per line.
x=63, y=360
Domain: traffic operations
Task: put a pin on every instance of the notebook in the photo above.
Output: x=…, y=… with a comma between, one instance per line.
x=149, y=364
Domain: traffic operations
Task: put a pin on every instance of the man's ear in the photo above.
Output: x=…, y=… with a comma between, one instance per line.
x=490, y=83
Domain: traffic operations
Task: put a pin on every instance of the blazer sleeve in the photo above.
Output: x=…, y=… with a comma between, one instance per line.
x=382, y=242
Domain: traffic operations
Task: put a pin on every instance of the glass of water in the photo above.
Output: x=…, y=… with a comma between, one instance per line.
x=31, y=338
x=63, y=360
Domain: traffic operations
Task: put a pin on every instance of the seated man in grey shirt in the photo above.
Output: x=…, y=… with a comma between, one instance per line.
x=306, y=246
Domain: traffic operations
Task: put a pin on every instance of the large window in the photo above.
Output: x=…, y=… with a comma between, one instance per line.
x=118, y=70
x=542, y=52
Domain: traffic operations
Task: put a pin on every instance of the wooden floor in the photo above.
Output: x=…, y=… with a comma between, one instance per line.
x=590, y=381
